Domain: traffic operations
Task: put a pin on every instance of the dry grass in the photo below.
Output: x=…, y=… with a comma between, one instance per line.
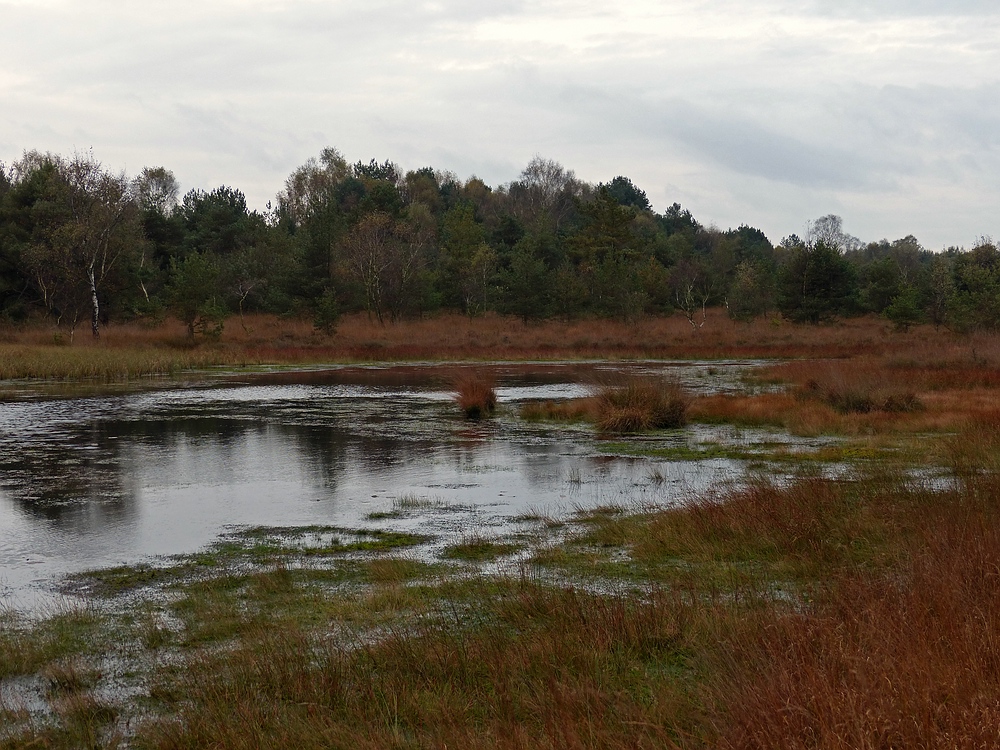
x=931, y=391
x=907, y=659
x=475, y=395
x=570, y=410
x=534, y=667
x=43, y=351
x=634, y=405
x=641, y=404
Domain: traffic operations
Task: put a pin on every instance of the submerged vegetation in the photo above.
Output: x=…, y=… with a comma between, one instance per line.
x=855, y=608
x=816, y=613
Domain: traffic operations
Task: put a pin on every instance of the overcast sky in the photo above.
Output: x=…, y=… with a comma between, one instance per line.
x=765, y=112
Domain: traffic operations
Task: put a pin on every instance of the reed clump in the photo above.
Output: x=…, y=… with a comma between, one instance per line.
x=862, y=397
x=476, y=395
x=642, y=404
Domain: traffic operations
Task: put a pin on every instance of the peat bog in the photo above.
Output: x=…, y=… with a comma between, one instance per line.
x=338, y=557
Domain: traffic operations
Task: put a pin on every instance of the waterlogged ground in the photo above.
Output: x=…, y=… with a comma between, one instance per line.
x=107, y=480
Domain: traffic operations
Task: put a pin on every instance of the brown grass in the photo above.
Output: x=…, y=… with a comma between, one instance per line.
x=535, y=668
x=930, y=391
x=635, y=405
x=908, y=659
x=475, y=395
x=570, y=410
x=641, y=404
x=456, y=337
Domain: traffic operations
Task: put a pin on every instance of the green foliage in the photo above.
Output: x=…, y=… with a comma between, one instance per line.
x=217, y=222
x=975, y=301
x=194, y=294
x=751, y=292
x=623, y=190
x=467, y=264
x=327, y=313
x=526, y=283
x=816, y=284
x=904, y=310
x=347, y=237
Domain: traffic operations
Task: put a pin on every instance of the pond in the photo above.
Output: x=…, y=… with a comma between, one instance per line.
x=165, y=469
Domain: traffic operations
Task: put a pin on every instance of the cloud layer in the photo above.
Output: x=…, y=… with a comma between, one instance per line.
x=768, y=112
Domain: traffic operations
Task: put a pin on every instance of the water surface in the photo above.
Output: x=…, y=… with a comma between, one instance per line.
x=96, y=481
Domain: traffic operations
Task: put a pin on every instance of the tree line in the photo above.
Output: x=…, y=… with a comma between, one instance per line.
x=85, y=245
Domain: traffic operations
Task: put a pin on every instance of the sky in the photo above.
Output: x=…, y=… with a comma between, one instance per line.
x=770, y=113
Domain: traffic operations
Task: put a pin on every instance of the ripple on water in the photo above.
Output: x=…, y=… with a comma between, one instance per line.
x=111, y=480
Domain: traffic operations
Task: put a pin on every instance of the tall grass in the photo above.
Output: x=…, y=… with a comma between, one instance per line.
x=902, y=659
x=271, y=339
x=106, y=363
x=571, y=410
x=927, y=391
x=476, y=395
x=535, y=667
x=641, y=404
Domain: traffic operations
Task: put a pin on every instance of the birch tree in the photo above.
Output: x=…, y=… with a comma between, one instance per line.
x=86, y=221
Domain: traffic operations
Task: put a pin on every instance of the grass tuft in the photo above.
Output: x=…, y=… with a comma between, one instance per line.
x=642, y=404
x=476, y=395
x=477, y=547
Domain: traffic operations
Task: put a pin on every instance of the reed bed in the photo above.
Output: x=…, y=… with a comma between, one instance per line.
x=907, y=659
x=535, y=668
x=570, y=410
x=925, y=391
x=636, y=404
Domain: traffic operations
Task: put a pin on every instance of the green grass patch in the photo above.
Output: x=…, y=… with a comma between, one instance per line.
x=479, y=548
x=26, y=646
x=265, y=542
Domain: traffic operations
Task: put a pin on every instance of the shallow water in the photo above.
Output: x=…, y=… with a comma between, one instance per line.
x=96, y=481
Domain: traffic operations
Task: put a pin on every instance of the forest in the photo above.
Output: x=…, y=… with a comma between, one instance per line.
x=83, y=246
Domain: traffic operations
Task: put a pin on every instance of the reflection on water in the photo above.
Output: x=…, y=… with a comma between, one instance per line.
x=88, y=482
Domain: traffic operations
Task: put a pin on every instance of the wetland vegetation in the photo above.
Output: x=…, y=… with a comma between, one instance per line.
x=787, y=539
x=842, y=592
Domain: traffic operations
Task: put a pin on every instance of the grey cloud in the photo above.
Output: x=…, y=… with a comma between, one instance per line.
x=727, y=138
x=752, y=149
